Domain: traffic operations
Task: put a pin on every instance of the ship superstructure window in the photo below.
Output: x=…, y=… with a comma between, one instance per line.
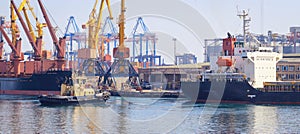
x=278, y=68
x=283, y=76
x=291, y=68
x=291, y=76
x=284, y=68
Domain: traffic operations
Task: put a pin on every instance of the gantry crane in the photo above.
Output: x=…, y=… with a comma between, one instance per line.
x=70, y=34
x=36, y=40
x=146, y=36
x=90, y=63
x=121, y=66
x=107, y=37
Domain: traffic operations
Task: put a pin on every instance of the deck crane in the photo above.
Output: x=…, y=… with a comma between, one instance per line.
x=36, y=39
x=121, y=66
x=89, y=54
x=59, y=44
x=37, y=49
x=16, y=51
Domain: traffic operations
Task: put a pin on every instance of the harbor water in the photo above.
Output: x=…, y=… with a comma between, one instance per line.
x=145, y=115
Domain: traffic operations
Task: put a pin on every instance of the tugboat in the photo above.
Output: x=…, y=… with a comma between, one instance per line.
x=75, y=92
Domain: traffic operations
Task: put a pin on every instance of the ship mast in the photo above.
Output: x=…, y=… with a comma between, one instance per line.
x=246, y=19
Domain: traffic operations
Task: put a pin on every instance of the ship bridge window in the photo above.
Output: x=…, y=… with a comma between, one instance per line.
x=291, y=76
x=291, y=68
x=283, y=77
x=284, y=68
x=278, y=68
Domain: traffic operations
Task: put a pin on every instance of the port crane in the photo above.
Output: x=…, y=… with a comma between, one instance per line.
x=35, y=40
x=146, y=36
x=121, y=66
x=69, y=33
x=60, y=43
x=107, y=37
x=92, y=66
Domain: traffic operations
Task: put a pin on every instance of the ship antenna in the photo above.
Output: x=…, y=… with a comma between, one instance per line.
x=246, y=19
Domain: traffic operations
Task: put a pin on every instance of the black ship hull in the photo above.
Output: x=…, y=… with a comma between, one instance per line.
x=48, y=83
x=57, y=100
x=151, y=94
x=240, y=92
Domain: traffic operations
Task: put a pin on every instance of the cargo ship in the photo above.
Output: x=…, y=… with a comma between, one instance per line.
x=242, y=75
x=40, y=74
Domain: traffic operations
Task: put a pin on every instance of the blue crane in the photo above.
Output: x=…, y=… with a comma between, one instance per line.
x=111, y=35
x=70, y=34
x=145, y=36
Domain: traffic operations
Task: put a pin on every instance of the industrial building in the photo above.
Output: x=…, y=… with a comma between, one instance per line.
x=168, y=77
x=288, y=69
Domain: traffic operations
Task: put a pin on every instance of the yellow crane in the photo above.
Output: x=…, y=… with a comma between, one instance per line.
x=121, y=52
x=94, y=23
x=37, y=39
x=14, y=28
x=121, y=66
x=39, y=26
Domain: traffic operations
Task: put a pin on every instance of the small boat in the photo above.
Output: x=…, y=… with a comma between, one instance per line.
x=77, y=93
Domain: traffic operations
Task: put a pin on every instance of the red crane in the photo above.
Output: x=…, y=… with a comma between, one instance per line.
x=59, y=44
x=16, y=51
x=37, y=48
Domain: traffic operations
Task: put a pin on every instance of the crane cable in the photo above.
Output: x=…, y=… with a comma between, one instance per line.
x=57, y=28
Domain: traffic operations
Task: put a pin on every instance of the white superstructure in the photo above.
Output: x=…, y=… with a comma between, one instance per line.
x=260, y=66
x=257, y=63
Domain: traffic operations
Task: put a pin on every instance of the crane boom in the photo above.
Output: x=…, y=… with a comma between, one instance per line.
x=99, y=20
x=31, y=30
x=16, y=50
x=39, y=25
x=15, y=31
x=9, y=42
x=33, y=44
x=59, y=44
x=50, y=27
x=94, y=28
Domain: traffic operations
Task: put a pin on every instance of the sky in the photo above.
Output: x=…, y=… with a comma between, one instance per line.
x=189, y=21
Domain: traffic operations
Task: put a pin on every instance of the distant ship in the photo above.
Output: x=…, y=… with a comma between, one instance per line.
x=243, y=76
